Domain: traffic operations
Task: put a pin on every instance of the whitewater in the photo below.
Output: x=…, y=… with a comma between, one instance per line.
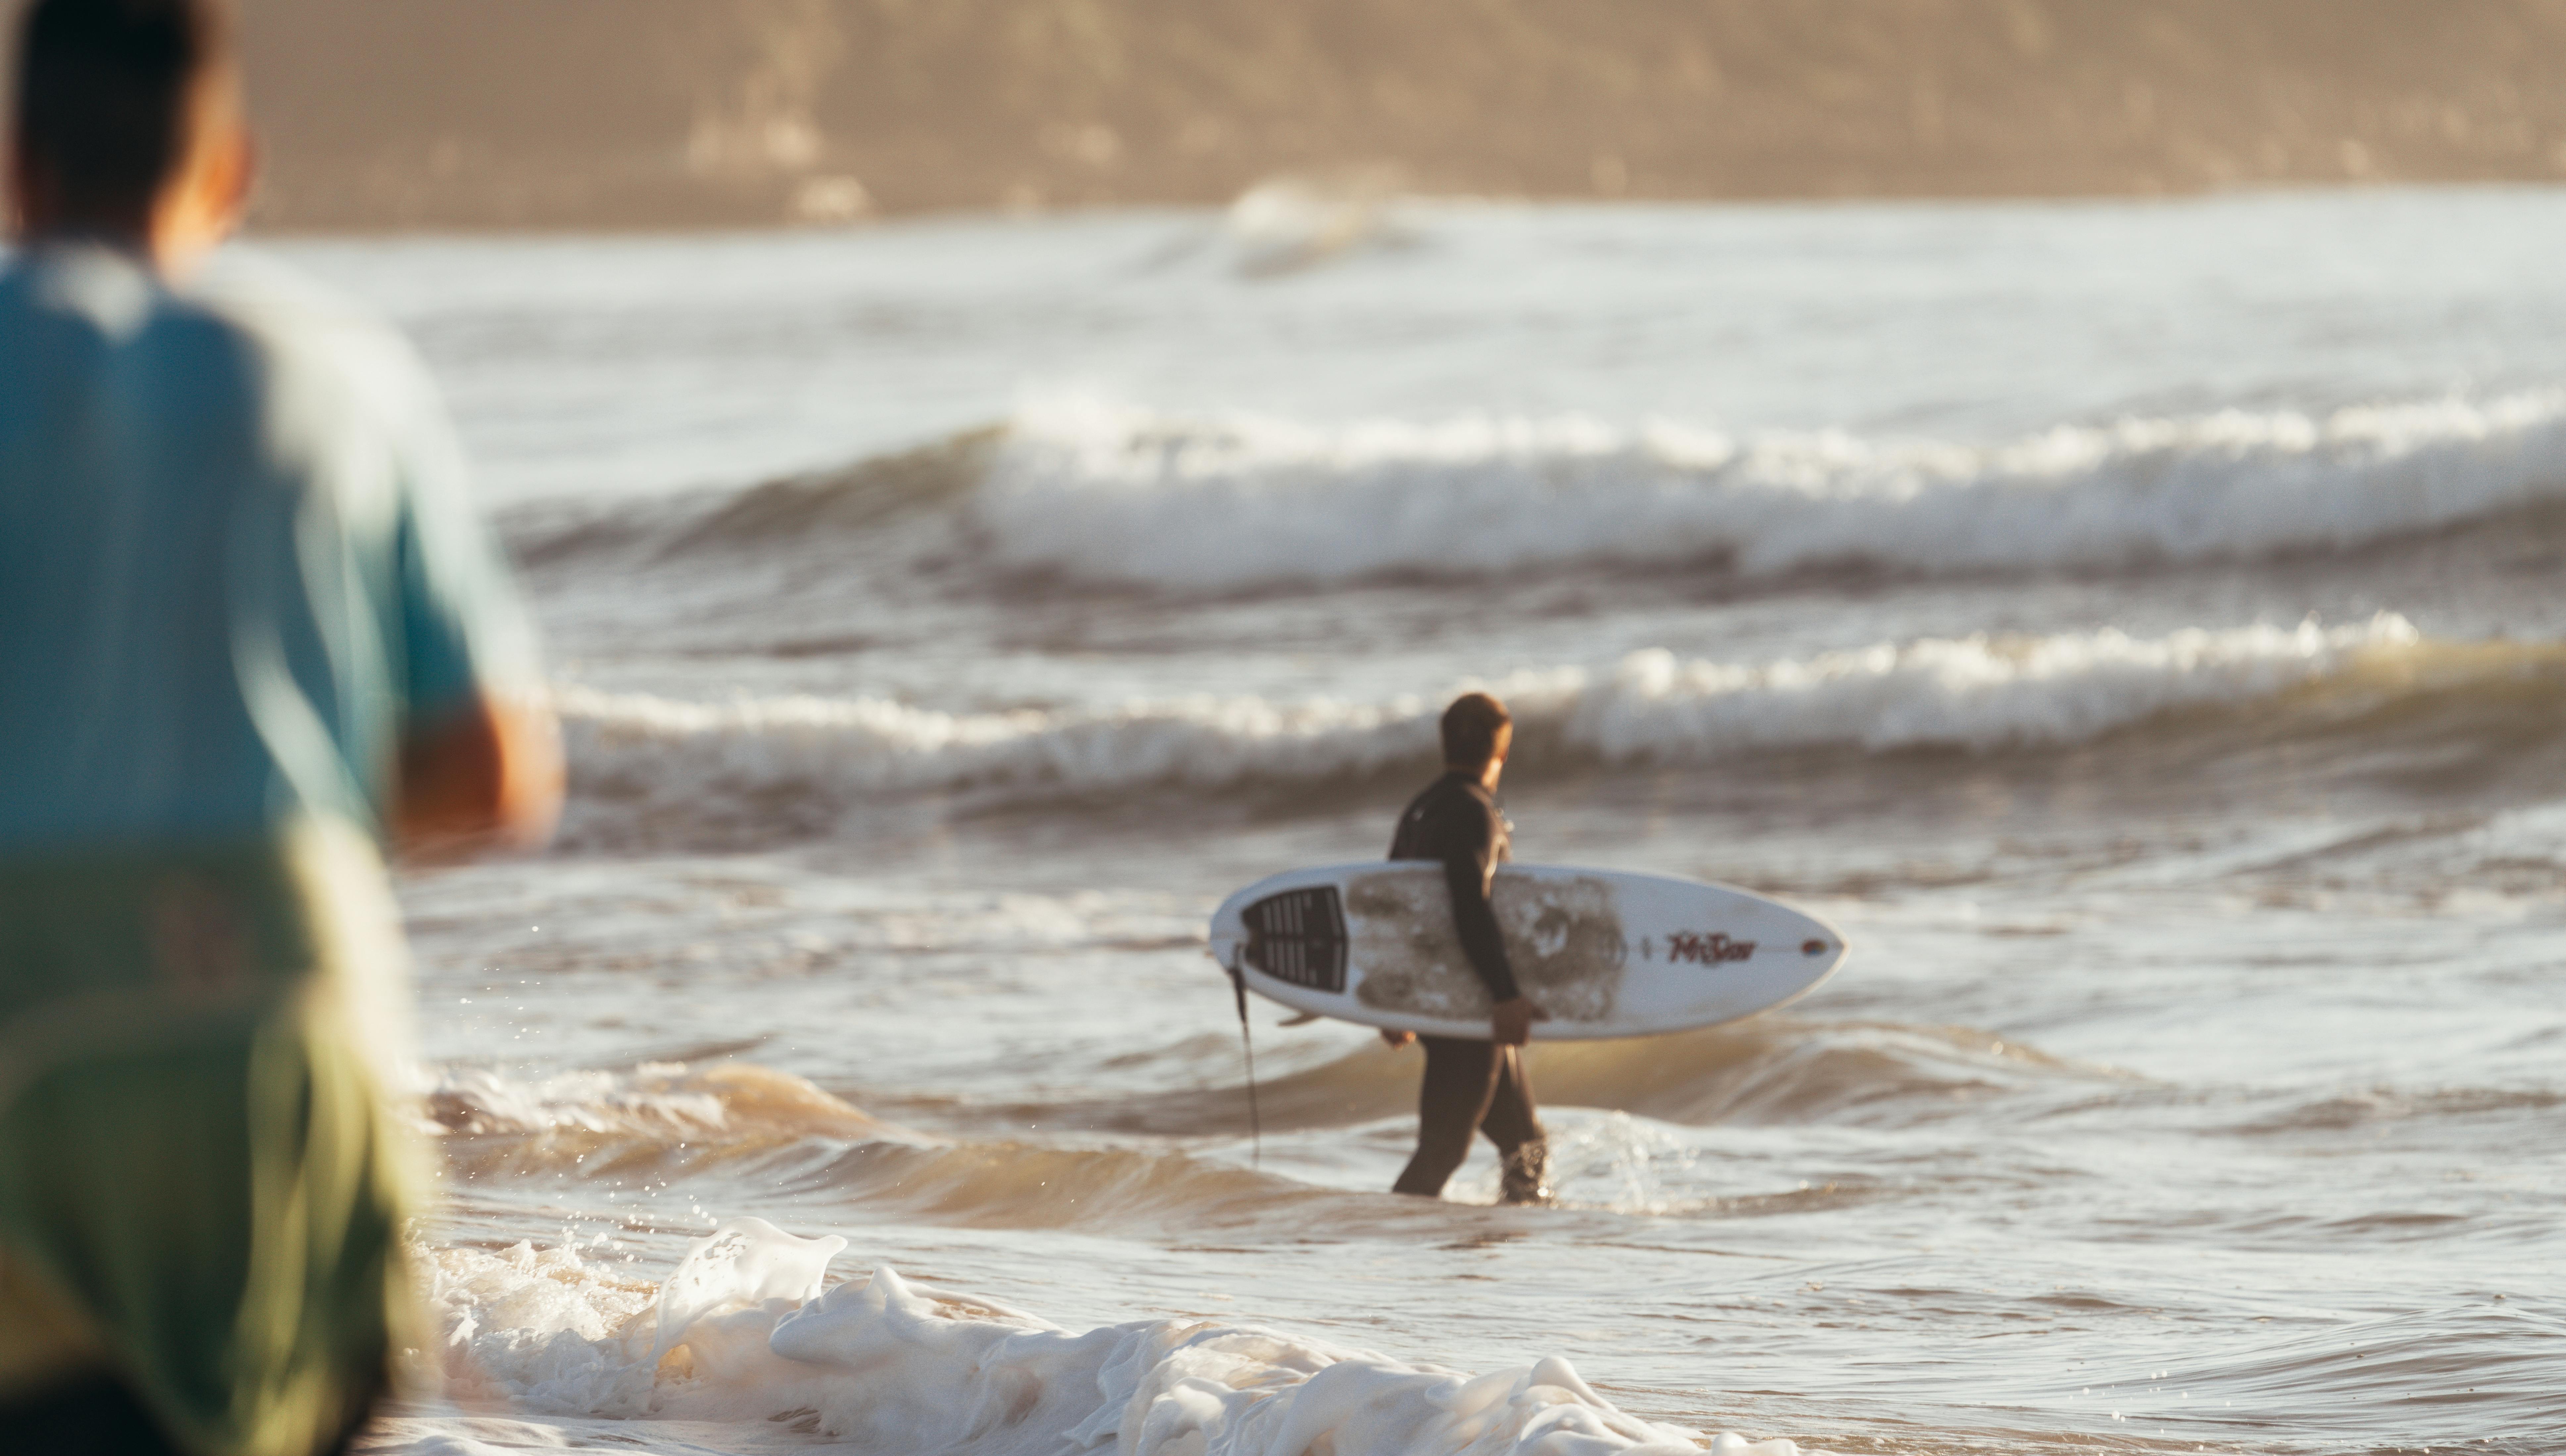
x=1103, y=494
x=873, y=1361
x=2137, y=625
x=1975, y=693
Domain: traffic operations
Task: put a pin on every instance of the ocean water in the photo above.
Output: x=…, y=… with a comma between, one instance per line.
x=2138, y=627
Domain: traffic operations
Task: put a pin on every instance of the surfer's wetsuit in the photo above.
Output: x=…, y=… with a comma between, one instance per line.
x=1471, y=1084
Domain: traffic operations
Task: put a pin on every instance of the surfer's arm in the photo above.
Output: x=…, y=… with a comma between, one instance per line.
x=1468, y=874
x=1468, y=866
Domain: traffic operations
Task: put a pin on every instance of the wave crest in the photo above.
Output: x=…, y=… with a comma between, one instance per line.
x=766, y=756
x=1101, y=493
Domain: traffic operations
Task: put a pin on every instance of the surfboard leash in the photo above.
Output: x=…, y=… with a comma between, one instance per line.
x=1247, y=1042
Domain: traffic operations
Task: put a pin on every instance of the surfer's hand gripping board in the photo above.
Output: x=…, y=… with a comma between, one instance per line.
x=1604, y=953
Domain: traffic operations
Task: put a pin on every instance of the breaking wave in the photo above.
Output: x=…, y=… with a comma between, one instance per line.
x=655, y=1099
x=779, y=1135
x=800, y=754
x=741, y=1125
x=1094, y=492
x=750, y=1327
x=1772, y=1070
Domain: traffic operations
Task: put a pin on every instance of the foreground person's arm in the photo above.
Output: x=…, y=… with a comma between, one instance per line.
x=483, y=776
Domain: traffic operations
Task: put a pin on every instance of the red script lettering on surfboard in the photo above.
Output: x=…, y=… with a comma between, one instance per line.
x=1689, y=945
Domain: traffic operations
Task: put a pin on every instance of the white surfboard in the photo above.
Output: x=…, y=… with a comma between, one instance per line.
x=1606, y=954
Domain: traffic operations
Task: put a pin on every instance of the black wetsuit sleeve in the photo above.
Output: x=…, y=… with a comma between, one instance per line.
x=1469, y=857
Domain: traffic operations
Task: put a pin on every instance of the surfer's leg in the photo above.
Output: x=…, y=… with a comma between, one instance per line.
x=1461, y=1076
x=1513, y=1125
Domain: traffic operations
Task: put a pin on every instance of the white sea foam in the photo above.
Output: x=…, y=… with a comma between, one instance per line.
x=1977, y=693
x=742, y=1332
x=870, y=744
x=1101, y=492
x=1974, y=692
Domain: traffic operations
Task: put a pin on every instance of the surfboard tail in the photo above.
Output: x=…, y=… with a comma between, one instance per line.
x=1299, y=937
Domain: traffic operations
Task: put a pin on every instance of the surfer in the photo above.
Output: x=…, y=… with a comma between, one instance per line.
x=249, y=631
x=1473, y=1086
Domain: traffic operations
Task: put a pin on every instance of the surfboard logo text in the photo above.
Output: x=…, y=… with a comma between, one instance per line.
x=1710, y=949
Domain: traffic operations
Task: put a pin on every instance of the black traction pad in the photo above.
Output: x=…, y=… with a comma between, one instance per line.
x=1299, y=937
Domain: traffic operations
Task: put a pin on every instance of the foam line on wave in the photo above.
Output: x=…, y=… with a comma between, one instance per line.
x=1976, y=693
x=1110, y=494
x=656, y=1101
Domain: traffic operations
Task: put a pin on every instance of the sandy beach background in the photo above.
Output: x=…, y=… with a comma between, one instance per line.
x=618, y=113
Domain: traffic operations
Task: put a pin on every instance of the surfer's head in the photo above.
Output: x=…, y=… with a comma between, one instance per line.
x=1477, y=731
x=128, y=124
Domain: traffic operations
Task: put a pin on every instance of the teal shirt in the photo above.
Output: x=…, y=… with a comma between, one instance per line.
x=237, y=557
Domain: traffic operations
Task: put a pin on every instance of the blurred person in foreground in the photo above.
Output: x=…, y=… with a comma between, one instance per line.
x=249, y=631
x=1473, y=1086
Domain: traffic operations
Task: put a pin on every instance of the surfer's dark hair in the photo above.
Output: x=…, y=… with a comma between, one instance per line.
x=109, y=93
x=1472, y=728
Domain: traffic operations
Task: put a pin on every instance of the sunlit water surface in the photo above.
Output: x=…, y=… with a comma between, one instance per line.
x=2137, y=627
